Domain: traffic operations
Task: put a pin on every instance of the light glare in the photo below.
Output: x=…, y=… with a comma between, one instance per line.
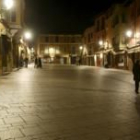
x=28, y=35
x=129, y=33
x=9, y=4
x=101, y=42
x=101, y=55
x=81, y=47
x=137, y=35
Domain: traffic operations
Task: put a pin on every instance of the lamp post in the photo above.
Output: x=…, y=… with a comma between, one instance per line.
x=134, y=38
x=103, y=56
x=101, y=44
x=81, y=52
x=27, y=36
x=128, y=34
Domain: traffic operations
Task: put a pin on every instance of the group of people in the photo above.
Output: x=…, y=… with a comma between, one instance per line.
x=37, y=62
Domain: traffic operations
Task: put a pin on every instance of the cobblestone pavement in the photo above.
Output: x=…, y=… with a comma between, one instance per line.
x=69, y=103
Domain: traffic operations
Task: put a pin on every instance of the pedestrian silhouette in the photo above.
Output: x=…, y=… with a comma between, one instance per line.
x=39, y=63
x=35, y=62
x=136, y=73
x=80, y=61
x=26, y=62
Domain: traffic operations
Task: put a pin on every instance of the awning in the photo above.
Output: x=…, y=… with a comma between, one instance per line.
x=134, y=49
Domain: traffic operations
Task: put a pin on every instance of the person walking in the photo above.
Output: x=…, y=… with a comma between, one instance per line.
x=136, y=73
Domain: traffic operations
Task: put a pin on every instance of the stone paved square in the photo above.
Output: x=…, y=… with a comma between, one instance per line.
x=61, y=102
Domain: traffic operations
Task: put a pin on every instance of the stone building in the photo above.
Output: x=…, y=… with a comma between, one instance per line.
x=133, y=39
x=62, y=49
x=114, y=38
x=11, y=22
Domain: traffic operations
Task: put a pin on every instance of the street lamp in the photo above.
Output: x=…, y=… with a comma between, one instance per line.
x=80, y=56
x=129, y=33
x=28, y=35
x=137, y=35
x=81, y=48
x=8, y=4
x=100, y=42
x=101, y=55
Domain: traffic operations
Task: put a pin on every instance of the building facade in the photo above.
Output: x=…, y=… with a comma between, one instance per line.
x=61, y=49
x=133, y=41
x=115, y=36
x=88, y=46
x=11, y=22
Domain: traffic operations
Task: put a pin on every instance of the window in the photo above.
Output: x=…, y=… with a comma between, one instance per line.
x=123, y=40
x=115, y=21
x=91, y=35
x=138, y=10
x=123, y=18
x=73, y=50
x=103, y=23
x=98, y=25
x=88, y=37
x=73, y=40
x=65, y=39
x=56, y=39
x=47, y=39
x=133, y=13
x=90, y=50
x=68, y=40
x=115, y=42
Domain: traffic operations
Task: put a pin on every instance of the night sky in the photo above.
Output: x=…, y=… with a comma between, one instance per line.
x=63, y=16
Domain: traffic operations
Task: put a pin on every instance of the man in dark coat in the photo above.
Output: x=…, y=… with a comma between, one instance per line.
x=136, y=73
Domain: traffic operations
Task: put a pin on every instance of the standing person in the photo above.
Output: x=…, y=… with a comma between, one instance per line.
x=35, y=62
x=136, y=73
x=26, y=62
x=80, y=60
x=21, y=61
x=39, y=63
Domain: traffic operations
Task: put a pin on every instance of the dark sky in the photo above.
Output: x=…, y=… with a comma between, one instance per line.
x=63, y=16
